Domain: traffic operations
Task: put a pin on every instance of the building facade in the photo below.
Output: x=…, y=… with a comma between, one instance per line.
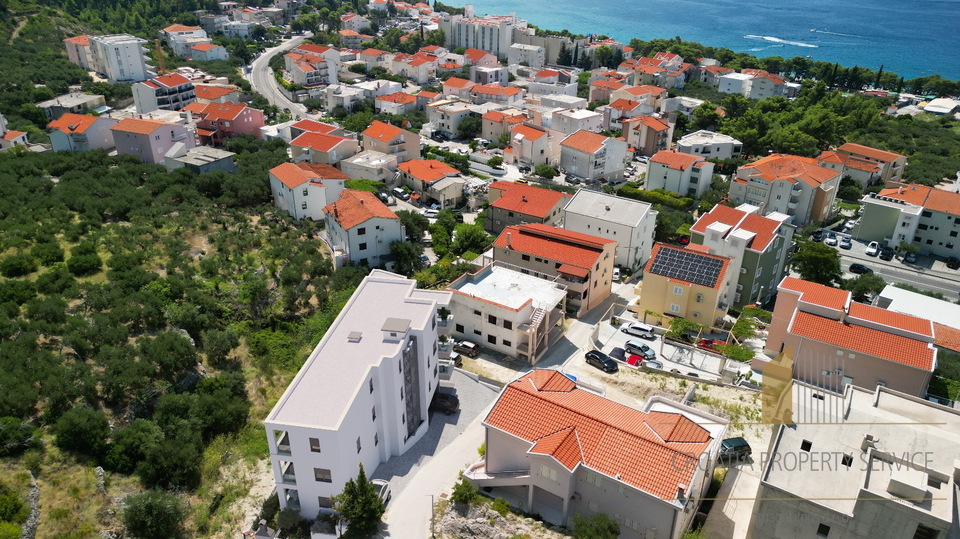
x=680, y=173
x=81, y=132
x=120, y=58
x=687, y=283
x=303, y=190
x=391, y=140
x=517, y=204
x=790, y=184
x=924, y=216
x=374, y=408
x=363, y=227
x=593, y=156
x=710, y=145
x=630, y=222
x=169, y=92
x=149, y=140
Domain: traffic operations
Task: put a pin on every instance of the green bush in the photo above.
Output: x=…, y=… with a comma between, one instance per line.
x=632, y=190
x=83, y=430
x=47, y=253
x=500, y=506
x=464, y=492
x=18, y=265
x=154, y=515
x=81, y=265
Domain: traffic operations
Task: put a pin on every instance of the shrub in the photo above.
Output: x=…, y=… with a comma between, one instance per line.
x=81, y=265
x=18, y=265
x=83, y=430
x=154, y=515
x=464, y=492
x=500, y=506
x=47, y=253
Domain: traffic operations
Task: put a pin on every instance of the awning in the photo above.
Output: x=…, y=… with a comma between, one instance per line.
x=205, y=132
x=574, y=270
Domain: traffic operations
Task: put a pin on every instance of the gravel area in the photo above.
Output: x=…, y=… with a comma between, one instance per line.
x=474, y=399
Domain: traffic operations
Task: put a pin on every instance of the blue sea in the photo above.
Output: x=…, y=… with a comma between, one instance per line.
x=908, y=37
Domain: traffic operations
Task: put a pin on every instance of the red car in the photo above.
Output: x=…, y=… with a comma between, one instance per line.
x=711, y=344
x=684, y=240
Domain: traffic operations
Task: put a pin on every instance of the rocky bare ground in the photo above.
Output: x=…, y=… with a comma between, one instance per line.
x=480, y=521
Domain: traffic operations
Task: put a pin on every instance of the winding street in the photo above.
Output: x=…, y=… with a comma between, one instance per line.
x=262, y=79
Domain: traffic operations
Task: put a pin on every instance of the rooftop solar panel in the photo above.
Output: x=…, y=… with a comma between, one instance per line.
x=687, y=266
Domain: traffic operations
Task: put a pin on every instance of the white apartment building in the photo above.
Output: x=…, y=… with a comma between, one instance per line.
x=630, y=222
x=81, y=132
x=511, y=312
x=917, y=214
x=361, y=396
x=182, y=38
x=679, y=172
x=592, y=156
x=734, y=83
x=370, y=165
x=362, y=227
x=710, y=145
x=491, y=33
x=304, y=189
x=532, y=56
x=120, y=58
x=790, y=184
x=569, y=121
x=169, y=92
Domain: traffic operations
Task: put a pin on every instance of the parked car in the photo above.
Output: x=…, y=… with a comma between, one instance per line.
x=601, y=361
x=735, y=449
x=466, y=348
x=616, y=275
x=634, y=360
x=425, y=260
x=457, y=359
x=953, y=262
x=445, y=402
x=886, y=253
x=873, y=249
x=524, y=168
x=430, y=213
x=634, y=346
x=521, y=181
x=817, y=235
x=618, y=354
x=859, y=269
x=910, y=258
x=638, y=330
x=383, y=196
x=383, y=490
x=652, y=364
x=845, y=242
x=402, y=194
x=684, y=240
x=831, y=239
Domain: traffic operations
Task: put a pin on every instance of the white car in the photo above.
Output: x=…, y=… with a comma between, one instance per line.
x=873, y=249
x=430, y=213
x=616, y=275
x=383, y=490
x=831, y=240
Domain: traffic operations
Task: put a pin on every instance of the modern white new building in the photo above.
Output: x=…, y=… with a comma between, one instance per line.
x=511, y=312
x=120, y=58
x=629, y=222
x=532, y=56
x=710, y=145
x=361, y=396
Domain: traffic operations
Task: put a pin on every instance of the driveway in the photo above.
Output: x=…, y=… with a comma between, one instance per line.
x=431, y=466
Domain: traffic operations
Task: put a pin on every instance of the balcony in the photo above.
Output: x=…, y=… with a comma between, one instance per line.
x=283, y=442
x=792, y=205
x=444, y=349
x=287, y=473
x=446, y=369
x=292, y=498
x=478, y=474
x=444, y=327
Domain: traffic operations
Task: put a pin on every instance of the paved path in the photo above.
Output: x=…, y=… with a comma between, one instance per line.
x=262, y=79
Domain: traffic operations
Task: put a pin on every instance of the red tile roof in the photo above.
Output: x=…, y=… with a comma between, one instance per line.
x=196, y=107
x=475, y=54
x=382, y=131
x=929, y=197
x=646, y=89
x=180, y=28
x=427, y=95
x=73, y=123
x=171, y=80
x=607, y=84
x=372, y=52
x=817, y=294
x=675, y=160
x=528, y=132
x=204, y=47
x=896, y=348
x=546, y=73
x=428, y=170
x=765, y=229
x=141, y=127
x=311, y=48
x=457, y=82
x=222, y=111
x=82, y=40
x=893, y=319
x=867, y=151
x=313, y=126
x=850, y=161
x=526, y=199
x=792, y=168
x=495, y=89
x=203, y=91
x=318, y=141
x=11, y=135
x=661, y=247
x=295, y=175
x=357, y=207
x=647, y=451
x=585, y=141
x=565, y=246
x=946, y=337
x=625, y=104
x=399, y=98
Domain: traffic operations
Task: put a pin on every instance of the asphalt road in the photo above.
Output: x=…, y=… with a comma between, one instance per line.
x=262, y=79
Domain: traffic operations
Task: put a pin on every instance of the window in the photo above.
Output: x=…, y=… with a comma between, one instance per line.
x=922, y=227
x=477, y=313
x=926, y=214
x=376, y=439
x=674, y=308
x=374, y=412
x=360, y=231
x=304, y=191
x=403, y=418
x=358, y=444
x=491, y=319
x=371, y=385
x=823, y=530
x=303, y=205
x=510, y=213
x=477, y=332
x=492, y=339
x=806, y=445
x=506, y=343
x=593, y=478
x=953, y=233
x=315, y=445
x=401, y=393
x=678, y=290
x=363, y=246
x=325, y=502
x=924, y=532
x=322, y=475
x=548, y=472
x=525, y=258
x=507, y=324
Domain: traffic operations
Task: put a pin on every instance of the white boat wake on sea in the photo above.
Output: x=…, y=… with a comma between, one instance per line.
x=836, y=33
x=784, y=41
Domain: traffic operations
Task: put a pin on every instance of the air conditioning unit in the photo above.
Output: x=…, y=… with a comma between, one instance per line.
x=825, y=373
x=838, y=372
x=743, y=271
x=739, y=287
x=696, y=315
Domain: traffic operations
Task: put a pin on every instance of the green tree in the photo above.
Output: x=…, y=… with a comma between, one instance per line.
x=16, y=436
x=464, y=492
x=447, y=219
x=171, y=352
x=18, y=265
x=82, y=429
x=706, y=117
x=407, y=256
x=495, y=161
x=470, y=127
x=218, y=344
x=154, y=515
x=595, y=526
x=359, y=505
x=545, y=171
x=470, y=238
x=818, y=263
x=865, y=286
x=415, y=224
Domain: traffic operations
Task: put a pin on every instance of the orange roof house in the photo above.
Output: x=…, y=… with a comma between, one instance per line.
x=515, y=203
x=357, y=207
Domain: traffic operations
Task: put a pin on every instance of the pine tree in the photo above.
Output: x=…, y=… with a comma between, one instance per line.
x=576, y=52
x=876, y=82
x=359, y=505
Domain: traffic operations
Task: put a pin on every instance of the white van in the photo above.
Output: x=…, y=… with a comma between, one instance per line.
x=637, y=329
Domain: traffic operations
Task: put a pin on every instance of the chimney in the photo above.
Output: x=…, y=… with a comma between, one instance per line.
x=524, y=198
x=508, y=240
x=900, y=190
